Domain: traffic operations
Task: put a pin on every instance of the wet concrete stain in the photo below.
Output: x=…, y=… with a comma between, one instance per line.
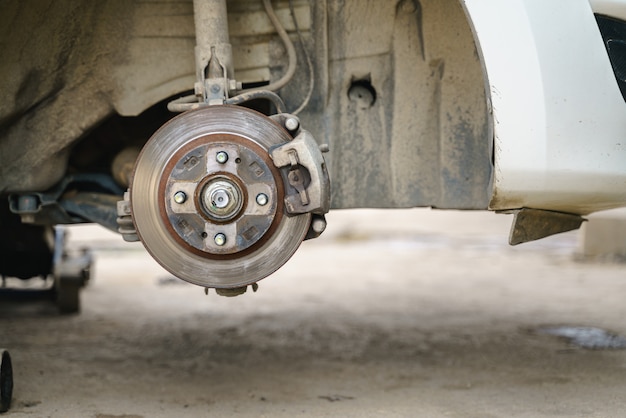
x=118, y=416
x=591, y=338
x=336, y=398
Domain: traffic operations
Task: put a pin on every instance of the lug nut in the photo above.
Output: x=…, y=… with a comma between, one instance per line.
x=221, y=157
x=262, y=199
x=292, y=124
x=220, y=239
x=180, y=197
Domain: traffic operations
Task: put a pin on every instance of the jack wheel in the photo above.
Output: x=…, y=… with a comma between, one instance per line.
x=68, y=294
x=6, y=380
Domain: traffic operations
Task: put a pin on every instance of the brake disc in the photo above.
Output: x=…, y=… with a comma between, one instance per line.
x=208, y=202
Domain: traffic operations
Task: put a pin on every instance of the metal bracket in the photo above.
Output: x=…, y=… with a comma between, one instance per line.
x=534, y=224
x=126, y=227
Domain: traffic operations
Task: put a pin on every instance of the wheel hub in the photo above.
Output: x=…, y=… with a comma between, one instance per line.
x=220, y=172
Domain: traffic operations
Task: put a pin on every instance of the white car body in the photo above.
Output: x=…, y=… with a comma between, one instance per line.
x=559, y=120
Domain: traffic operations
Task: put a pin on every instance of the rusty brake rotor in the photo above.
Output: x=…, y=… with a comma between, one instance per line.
x=208, y=202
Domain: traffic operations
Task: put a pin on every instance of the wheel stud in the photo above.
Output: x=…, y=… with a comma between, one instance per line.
x=221, y=157
x=262, y=199
x=220, y=239
x=180, y=197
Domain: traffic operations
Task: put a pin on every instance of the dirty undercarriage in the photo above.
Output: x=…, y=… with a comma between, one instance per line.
x=222, y=196
x=397, y=83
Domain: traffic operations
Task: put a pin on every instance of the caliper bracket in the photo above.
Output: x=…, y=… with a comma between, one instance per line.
x=303, y=152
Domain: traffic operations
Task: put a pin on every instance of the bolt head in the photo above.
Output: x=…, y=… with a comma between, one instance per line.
x=219, y=239
x=318, y=225
x=292, y=124
x=180, y=197
x=262, y=199
x=221, y=157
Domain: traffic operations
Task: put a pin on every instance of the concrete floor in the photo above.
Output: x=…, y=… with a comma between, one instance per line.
x=389, y=313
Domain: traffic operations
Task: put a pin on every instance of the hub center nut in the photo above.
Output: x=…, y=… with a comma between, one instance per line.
x=222, y=199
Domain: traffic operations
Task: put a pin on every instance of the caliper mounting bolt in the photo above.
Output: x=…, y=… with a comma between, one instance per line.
x=292, y=124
